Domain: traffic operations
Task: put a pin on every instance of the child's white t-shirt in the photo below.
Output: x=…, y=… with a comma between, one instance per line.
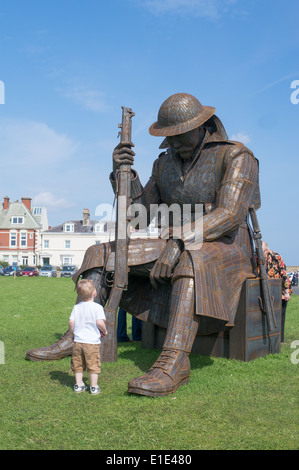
x=85, y=315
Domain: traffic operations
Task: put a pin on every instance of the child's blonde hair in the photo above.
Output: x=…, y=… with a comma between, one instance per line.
x=85, y=289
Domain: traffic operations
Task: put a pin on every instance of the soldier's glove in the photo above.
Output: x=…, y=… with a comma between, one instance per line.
x=163, y=267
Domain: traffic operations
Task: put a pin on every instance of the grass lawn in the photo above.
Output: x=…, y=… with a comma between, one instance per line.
x=227, y=405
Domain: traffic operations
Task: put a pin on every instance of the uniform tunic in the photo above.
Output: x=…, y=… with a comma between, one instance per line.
x=223, y=177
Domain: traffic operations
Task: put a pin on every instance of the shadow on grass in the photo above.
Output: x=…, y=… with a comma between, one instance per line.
x=59, y=335
x=141, y=357
x=145, y=358
x=64, y=378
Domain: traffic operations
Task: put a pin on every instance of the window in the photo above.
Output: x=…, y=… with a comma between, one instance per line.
x=14, y=261
x=17, y=220
x=101, y=227
x=67, y=244
x=46, y=243
x=67, y=261
x=13, y=239
x=23, y=239
x=25, y=261
x=68, y=227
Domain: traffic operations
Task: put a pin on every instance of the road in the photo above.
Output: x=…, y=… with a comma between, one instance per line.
x=295, y=290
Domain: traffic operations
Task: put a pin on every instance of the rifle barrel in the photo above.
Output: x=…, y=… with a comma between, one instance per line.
x=120, y=282
x=267, y=299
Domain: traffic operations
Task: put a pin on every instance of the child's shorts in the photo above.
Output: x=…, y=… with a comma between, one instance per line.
x=86, y=357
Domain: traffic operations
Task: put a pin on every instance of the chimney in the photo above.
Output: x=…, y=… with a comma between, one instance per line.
x=27, y=202
x=86, y=217
x=6, y=203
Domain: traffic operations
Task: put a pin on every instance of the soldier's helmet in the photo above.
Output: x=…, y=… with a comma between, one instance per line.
x=180, y=113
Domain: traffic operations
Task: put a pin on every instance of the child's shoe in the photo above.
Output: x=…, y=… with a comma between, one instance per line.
x=95, y=390
x=80, y=388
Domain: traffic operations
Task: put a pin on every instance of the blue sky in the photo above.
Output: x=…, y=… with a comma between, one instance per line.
x=69, y=66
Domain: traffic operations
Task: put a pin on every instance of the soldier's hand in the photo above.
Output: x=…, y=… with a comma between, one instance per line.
x=163, y=267
x=123, y=154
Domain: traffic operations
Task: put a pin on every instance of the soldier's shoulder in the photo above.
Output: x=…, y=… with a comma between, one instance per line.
x=160, y=161
x=231, y=147
x=238, y=147
x=163, y=154
x=235, y=149
x=163, y=157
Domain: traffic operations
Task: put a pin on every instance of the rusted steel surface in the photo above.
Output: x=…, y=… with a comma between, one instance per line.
x=120, y=278
x=140, y=251
x=197, y=286
x=266, y=299
x=58, y=350
x=180, y=113
x=203, y=293
x=249, y=339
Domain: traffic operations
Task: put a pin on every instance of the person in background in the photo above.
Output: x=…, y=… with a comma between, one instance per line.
x=122, y=335
x=276, y=269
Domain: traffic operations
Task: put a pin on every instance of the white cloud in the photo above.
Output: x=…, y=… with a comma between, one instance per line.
x=48, y=200
x=90, y=99
x=35, y=159
x=24, y=142
x=241, y=137
x=211, y=9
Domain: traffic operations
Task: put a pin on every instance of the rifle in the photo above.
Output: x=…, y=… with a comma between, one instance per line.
x=120, y=279
x=267, y=305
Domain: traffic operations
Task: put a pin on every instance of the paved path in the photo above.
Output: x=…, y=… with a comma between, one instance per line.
x=295, y=290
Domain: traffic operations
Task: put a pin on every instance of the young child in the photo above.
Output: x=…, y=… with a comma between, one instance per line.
x=87, y=323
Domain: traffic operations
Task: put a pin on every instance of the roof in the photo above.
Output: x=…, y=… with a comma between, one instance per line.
x=79, y=227
x=17, y=209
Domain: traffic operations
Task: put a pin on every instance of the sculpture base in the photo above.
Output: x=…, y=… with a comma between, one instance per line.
x=247, y=340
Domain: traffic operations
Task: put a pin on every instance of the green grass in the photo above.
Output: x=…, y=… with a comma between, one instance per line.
x=227, y=405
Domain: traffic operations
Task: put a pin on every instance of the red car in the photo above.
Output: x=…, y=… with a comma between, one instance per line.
x=30, y=272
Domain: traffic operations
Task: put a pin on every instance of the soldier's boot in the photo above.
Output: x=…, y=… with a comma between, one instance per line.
x=58, y=350
x=172, y=368
x=64, y=346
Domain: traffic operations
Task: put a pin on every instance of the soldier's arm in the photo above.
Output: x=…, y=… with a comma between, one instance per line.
x=233, y=199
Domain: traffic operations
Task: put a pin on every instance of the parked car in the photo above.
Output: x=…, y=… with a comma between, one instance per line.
x=48, y=271
x=30, y=271
x=68, y=271
x=11, y=270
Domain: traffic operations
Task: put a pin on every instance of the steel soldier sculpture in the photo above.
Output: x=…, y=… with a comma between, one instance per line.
x=187, y=291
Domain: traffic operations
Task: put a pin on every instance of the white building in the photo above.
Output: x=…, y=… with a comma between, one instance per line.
x=67, y=243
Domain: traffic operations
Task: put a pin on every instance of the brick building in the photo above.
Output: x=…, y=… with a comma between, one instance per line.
x=20, y=229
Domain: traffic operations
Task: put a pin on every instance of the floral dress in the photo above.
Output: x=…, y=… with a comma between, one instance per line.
x=276, y=269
